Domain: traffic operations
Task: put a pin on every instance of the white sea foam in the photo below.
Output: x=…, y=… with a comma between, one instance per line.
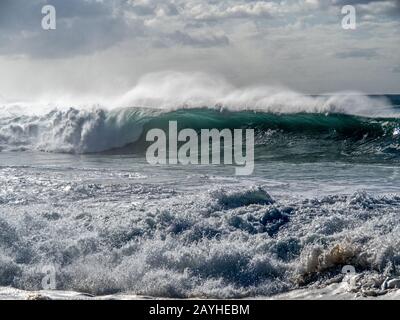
x=108, y=234
x=70, y=130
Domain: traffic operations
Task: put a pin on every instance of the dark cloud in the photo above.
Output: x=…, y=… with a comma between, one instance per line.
x=179, y=38
x=141, y=10
x=200, y=41
x=368, y=54
x=19, y=15
x=82, y=27
x=83, y=37
x=87, y=26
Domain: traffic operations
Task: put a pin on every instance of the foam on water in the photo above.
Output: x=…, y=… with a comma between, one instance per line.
x=107, y=232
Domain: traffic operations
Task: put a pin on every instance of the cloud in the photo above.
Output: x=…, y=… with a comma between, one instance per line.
x=396, y=69
x=82, y=27
x=353, y=2
x=149, y=8
x=194, y=40
x=88, y=26
x=368, y=53
x=385, y=8
x=235, y=10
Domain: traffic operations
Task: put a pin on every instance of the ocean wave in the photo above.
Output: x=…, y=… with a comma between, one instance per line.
x=197, y=101
x=124, y=130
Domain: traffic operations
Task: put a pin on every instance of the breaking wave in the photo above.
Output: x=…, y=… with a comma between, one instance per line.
x=198, y=101
x=99, y=130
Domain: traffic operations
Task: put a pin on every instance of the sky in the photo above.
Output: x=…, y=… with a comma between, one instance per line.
x=104, y=47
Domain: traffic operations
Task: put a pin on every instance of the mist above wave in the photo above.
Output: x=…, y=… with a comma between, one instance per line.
x=170, y=90
x=174, y=90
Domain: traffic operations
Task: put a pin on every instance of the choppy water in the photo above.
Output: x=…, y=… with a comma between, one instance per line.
x=325, y=193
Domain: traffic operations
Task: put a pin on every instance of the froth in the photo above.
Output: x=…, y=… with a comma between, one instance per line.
x=170, y=90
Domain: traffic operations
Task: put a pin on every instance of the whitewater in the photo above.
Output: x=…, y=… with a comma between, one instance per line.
x=77, y=193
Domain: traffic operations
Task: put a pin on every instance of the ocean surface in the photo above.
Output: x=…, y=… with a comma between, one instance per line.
x=76, y=193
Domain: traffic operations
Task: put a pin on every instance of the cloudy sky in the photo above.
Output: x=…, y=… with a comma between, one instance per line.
x=102, y=47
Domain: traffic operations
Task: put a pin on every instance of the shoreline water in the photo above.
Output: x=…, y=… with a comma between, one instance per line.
x=336, y=291
x=109, y=224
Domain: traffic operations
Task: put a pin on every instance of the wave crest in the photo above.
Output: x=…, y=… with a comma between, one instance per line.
x=71, y=131
x=175, y=90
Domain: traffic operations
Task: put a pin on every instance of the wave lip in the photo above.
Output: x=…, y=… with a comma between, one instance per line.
x=71, y=131
x=176, y=90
